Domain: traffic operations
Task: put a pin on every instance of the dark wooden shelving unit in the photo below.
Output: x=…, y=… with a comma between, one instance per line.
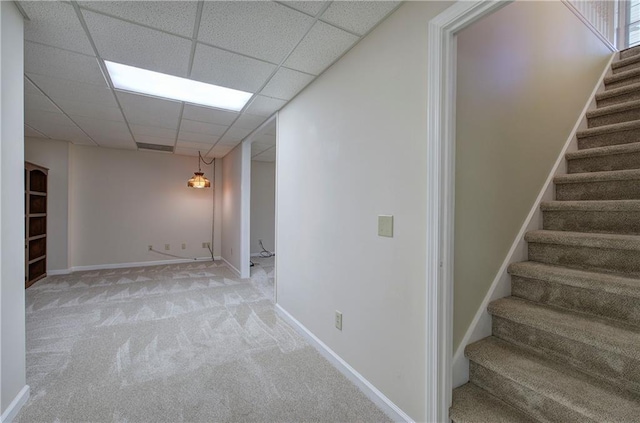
x=35, y=207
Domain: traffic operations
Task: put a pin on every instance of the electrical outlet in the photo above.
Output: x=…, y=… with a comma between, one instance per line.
x=206, y=245
x=338, y=320
x=184, y=246
x=150, y=247
x=167, y=247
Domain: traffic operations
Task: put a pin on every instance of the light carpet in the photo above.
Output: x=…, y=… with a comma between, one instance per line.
x=175, y=343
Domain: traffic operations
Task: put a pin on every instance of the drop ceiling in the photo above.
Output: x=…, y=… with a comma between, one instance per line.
x=272, y=49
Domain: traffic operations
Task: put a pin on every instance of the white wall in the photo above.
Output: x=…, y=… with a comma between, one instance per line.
x=351, y=147
x=12, y=267
x=55, y=156
x=231, y=207
x=263, y=205
x=122, y=201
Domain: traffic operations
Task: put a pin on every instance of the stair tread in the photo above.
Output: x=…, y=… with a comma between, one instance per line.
x=625, y=62
x=472, y=404
x=592, y=206
x=606, y=129
x=614, y=92
x=584, y=394
x=609, y=150
x=604, y=334
x=609, y=175
x=585, y=239
x=603, y=282
x=621, y=76
x=616, y=108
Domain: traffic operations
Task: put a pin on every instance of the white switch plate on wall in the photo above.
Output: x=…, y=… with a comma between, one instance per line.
x=385, y=226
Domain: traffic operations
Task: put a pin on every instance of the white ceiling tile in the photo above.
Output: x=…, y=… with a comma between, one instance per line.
x=265, y=106
x=63, y=132
x=148, y=139
x=196, y=137
x=358, y=16
x=286, y=83
x=230, y=70
x=56, y=24
x=29, y=88
x=309, y=7
x=39, y=102
x=152, y=131
x=205, y=114
x=202, y=127
x=271, y=128
x=121, y=144
x=35, y=118
x=51, y=61
x=186, y=151
x=250, y=122
x=236, y=133
x=177, y=17
x=134, y=45
x=104, y=131
x=63, y=89
x=320, y=48
x=266, y=139
x=108, y=111
x=267, y=156
x=221, y=151
x=257, y=148
x=264, y=30
x=204, y=147
x=150, y=111
x=30, y=132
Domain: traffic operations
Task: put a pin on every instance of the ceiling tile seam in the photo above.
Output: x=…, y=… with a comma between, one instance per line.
x=281, y=3
x=60, y=48
x=22, y=11
x=341, y=28
x=263, y=151
x=252, y=99
x=103, y=68
x=347, y=50
x=61, y=111
x=40, y=132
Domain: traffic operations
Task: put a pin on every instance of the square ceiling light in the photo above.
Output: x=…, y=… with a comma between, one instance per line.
x=130, y=78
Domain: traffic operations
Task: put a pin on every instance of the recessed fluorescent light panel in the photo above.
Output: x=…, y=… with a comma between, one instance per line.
x=157, y=84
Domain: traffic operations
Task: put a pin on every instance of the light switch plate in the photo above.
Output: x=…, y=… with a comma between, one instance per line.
x=385, y=226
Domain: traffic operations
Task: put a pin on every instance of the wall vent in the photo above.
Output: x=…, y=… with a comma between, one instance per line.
x=155, y=147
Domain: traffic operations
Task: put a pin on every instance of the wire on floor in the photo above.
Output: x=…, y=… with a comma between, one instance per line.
x=265, y=252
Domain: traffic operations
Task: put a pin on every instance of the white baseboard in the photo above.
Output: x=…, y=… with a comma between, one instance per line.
x=16, y=405
x=125, y=265
x=260, y=254
x=501, y=286
x=231, y=266
x=378, y=398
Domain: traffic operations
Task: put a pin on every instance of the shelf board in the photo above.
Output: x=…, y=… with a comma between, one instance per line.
x=42, y=194
x=33, y=238
x=37, y=215
x=37, y=259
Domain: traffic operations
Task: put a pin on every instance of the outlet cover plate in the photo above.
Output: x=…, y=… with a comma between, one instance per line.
x=385, y=226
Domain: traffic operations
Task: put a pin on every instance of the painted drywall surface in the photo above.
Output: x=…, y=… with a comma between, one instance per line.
x=122, y=201
x=263, y=205
x=520, y=91
x=231, y=207
x=54, y=155
x=351, y=147
x=12, y=325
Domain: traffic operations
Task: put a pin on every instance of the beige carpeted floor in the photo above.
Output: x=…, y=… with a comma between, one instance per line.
x=175, y=343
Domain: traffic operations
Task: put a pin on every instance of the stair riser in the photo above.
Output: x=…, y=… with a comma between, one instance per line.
x=629, y=52
x=605, y=163
x=622, y=83
x=531, y=402
x=619, y=117
x=625, y=261
x=592, y=221
x=628, y=67
x=613, y=138
x=615, y=368
x=604, y=190
x=635, y=95
x=612, y=306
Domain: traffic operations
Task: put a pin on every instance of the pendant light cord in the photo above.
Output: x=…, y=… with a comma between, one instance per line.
x=213, y=218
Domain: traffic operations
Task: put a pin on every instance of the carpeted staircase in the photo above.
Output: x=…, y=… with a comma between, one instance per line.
x=566, y=344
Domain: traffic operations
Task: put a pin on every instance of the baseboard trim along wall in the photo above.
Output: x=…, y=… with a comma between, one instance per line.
x=389, y=408
x=16, y=405
x=232, y=267
x=501, y=286
x=125, y=265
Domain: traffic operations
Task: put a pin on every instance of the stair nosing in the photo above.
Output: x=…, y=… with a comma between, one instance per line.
x=621, y=76
x=626, y=61
x=610, y=283
x=585, y=239
x=609, y=206
x=554, y=389
x=614, y=108
x=615, y=92
x=603, y=176
x=608, y=150
x=587, y=335
x=610, y=128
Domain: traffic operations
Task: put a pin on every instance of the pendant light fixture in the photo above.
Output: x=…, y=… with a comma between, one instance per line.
x=199, y=180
